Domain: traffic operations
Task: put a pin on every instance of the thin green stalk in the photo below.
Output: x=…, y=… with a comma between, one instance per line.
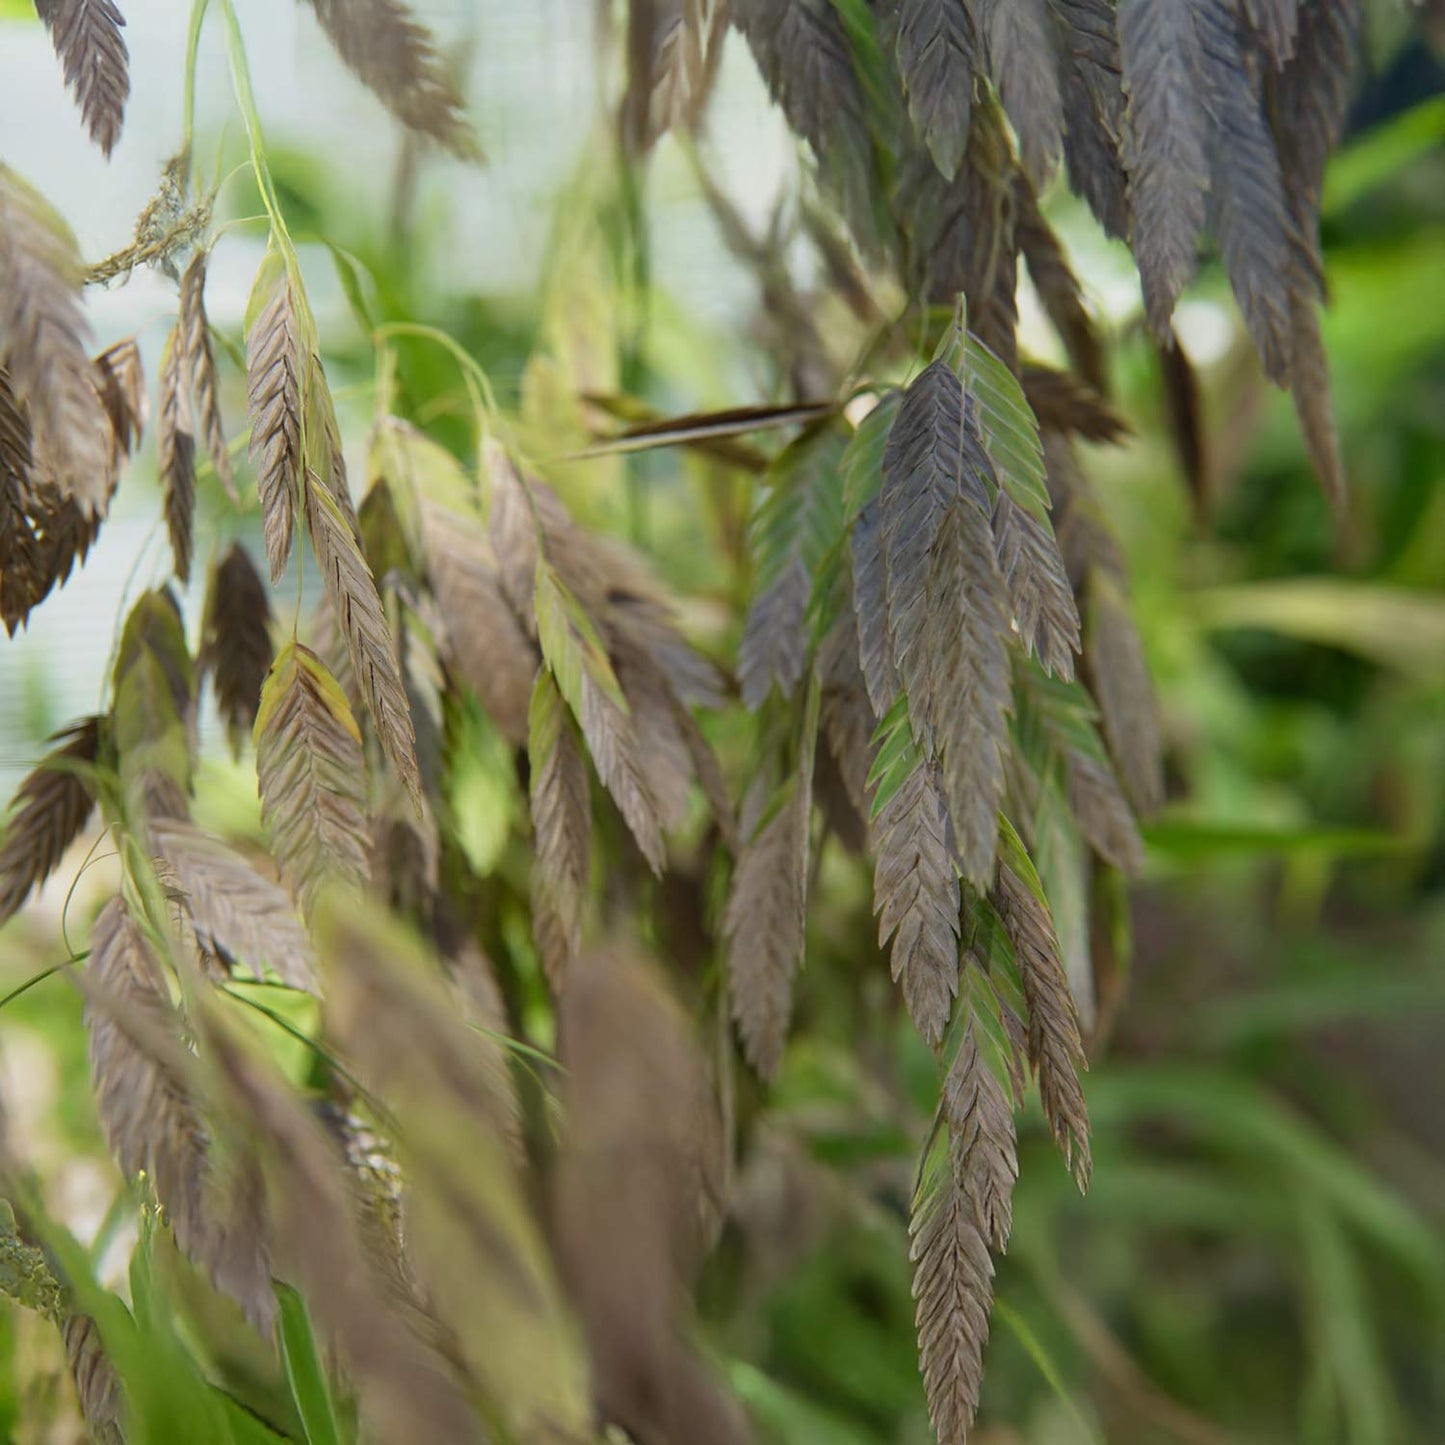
x=1033, y=1347
x=143, y=560
x=634, y=277
x=122, y=1206
x=518, y=1047
x=479, y=388
x=246, y=101
x=193, y=46
x=302, y=1037
x=74, y=884
x=479, y=384
x=384, y=385
x=236, y=222
x=40, y=977
x=525, y=1056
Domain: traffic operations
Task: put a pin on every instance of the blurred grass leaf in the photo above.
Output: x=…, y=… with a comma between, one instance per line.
x=1382, y=153
x=1246, y=1121
x=788, y=1416
x=1186, y=842
x=1022, y=1331
x=1343, y=996
x=1392, y=626
x=1349, y=1361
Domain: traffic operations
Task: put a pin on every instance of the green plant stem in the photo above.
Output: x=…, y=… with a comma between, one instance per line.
x=41, y=977
x=1023, y=1332
x=634, y=276
x=188, y=122
x=246, y=101
x=70, y=892
x=302, y=1037
x=478, y=383
x=479, y=389
x=122, y=1205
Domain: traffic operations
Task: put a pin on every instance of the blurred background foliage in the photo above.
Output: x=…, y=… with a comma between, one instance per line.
x=1261, y=1257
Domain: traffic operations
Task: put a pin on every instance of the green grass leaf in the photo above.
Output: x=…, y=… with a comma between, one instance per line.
x=304, y=1371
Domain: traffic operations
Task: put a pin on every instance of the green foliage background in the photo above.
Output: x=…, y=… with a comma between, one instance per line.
x=1261, y=1256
